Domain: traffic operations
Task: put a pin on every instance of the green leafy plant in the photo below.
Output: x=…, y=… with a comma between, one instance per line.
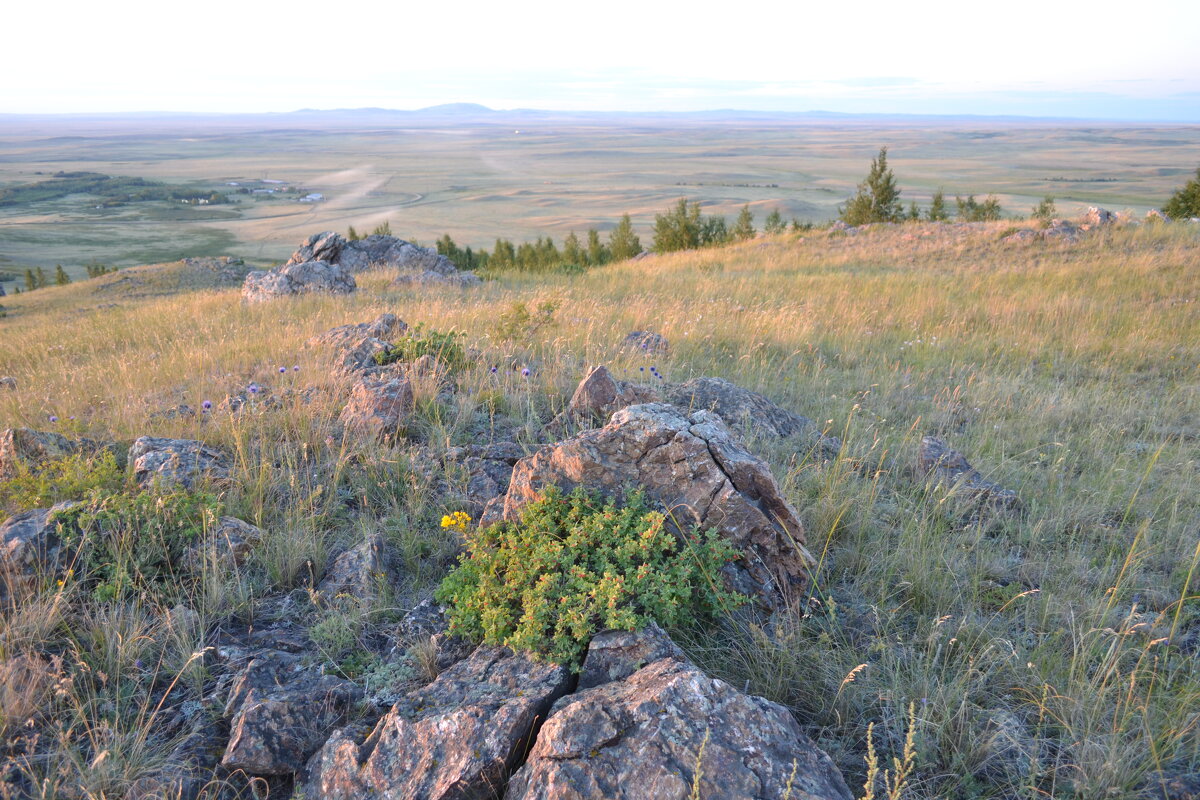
x=518, y=322
x=446, y=347
x=125, y=544
x=59, y=479
x=577, y=564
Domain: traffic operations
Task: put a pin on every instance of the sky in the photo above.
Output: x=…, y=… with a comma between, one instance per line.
x=1103, y=59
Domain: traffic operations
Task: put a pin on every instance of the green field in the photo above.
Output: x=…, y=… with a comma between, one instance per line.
x=478, y=182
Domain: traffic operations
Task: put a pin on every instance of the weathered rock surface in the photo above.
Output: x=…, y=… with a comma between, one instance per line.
x=666, y=727
x=228, y=270
x=615, y=655
x=370, y=252
x=177, y=462
x=385, y=327
x=7, y=382
x=1096, y=217
x=488, y=470
x=29, y=547
x=359, y=572
x=744, y=410
x=280, y=714
x=226, y=545
x=646, y=341
x=25, y=447
x=1154, y=215
x=378, y=407
x=944, y=465
x=431, y=277
x=694, y=466
x=458, y=737
x=599, y=394
x=302, y=278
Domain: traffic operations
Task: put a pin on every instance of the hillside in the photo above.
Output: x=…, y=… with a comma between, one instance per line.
x=1033, y=628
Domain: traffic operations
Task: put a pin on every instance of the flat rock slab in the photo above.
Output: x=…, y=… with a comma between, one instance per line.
x=177, y=462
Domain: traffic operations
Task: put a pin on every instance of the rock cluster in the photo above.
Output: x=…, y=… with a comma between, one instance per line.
x=946, y=466
x=419, y=265
x=303, y=278
x=177, y=462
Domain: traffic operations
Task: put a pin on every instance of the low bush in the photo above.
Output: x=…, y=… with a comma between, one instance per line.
x=67, y=478
x=446, y=347
x=577, y=564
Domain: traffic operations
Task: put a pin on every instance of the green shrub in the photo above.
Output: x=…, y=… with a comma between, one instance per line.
x=67, y=478
x=518, y=322
x=577, y=564
x=126, y=544
x=445, y=347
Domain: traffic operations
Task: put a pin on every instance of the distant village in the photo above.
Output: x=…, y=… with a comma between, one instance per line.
x=268, y=188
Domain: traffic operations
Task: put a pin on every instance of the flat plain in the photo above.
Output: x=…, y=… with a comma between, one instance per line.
x=481, y=180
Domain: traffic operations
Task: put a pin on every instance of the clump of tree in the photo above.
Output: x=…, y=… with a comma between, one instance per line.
x=937, y=208
x=95, y=269
x=877, y=198
x=1045, y=211
x=1185, y=203
x=61, y=278
x=463, y=258
x=623, y=243
x=35, y=279
x=971, y=210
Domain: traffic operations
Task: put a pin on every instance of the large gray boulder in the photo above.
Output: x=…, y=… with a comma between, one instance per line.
x=697, y=470
x=177, y=462
x=29, y=547
x=384, y=327
x=375, y=251
x=745, y=410
x=303, y=278
x=378, y=407
x=655, y=732
x=456, y=739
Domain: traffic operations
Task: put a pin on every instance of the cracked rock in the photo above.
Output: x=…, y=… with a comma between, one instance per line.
x=698, y=471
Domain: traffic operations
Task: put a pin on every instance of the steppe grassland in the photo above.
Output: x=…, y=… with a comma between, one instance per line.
x=479, y=182
x=1051, y=654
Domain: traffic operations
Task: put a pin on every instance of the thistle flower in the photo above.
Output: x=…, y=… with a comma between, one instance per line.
x=493, y=370
x=53, y=418
x=282, y=370
x=296, y=368
x=525, y=372
x=206, y=405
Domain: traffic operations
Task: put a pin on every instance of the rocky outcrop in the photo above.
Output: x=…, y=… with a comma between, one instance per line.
x=370, y=252
x=280, y=714
x=646, y=342
x=29, y=547
x=225, y=545
x=384, y=327
x=943, y=465
x=693, y=466
x=615, y=655
x=658, y=731
x=378, y=407
x=177, y=462
x=8, y=383
x=1096, y=217
x=26, y=448
x=748, y=411
x=457, y=738
x=429, y=277
x=358, y=572
x=487, y=469
x=302, y=278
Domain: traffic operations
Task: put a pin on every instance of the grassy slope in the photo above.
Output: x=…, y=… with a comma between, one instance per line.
x=1032, y=650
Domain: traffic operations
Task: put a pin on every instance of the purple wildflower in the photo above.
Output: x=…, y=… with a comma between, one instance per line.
x=53, y=418
x=525, y=372
x=296, y=368
x=254, y=388
x=206, y=405
x=282, y=370
x=641, y=369
x=138, y=664
x=493, y=370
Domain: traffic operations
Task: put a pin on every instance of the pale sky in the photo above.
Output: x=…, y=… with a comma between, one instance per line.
x=1103, y=59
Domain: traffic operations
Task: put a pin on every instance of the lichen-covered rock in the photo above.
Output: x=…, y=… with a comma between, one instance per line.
x=615, y=655
x=698, y=471
x=27, y=448
x=744, y=410
x=1096, y=217
x=487, y=470
x=177, y=462
x=225, y=545
x=303, y=278
x=665, y=729
x=7, y=382
x=646, y=342
x=29, y=547
x=430, y=277
x=280, y=714
x=944, y=465
x=457, y=738
x=384, y=327
x=378, y=407
x=375, y=251
x=360, y=572
x=599, y=394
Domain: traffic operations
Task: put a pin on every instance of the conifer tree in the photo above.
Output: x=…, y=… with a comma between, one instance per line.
x=1185, y=203
x=572, y=252
x=743, y=228
x=60, y=276
x=678, y=229
x=40, y=278
x=623, y=243
x=877, y=198
x=914, y=211
x=597, y=253
x=774, y=222
x=352, y=234
x=30, y=280
x=937, y=208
